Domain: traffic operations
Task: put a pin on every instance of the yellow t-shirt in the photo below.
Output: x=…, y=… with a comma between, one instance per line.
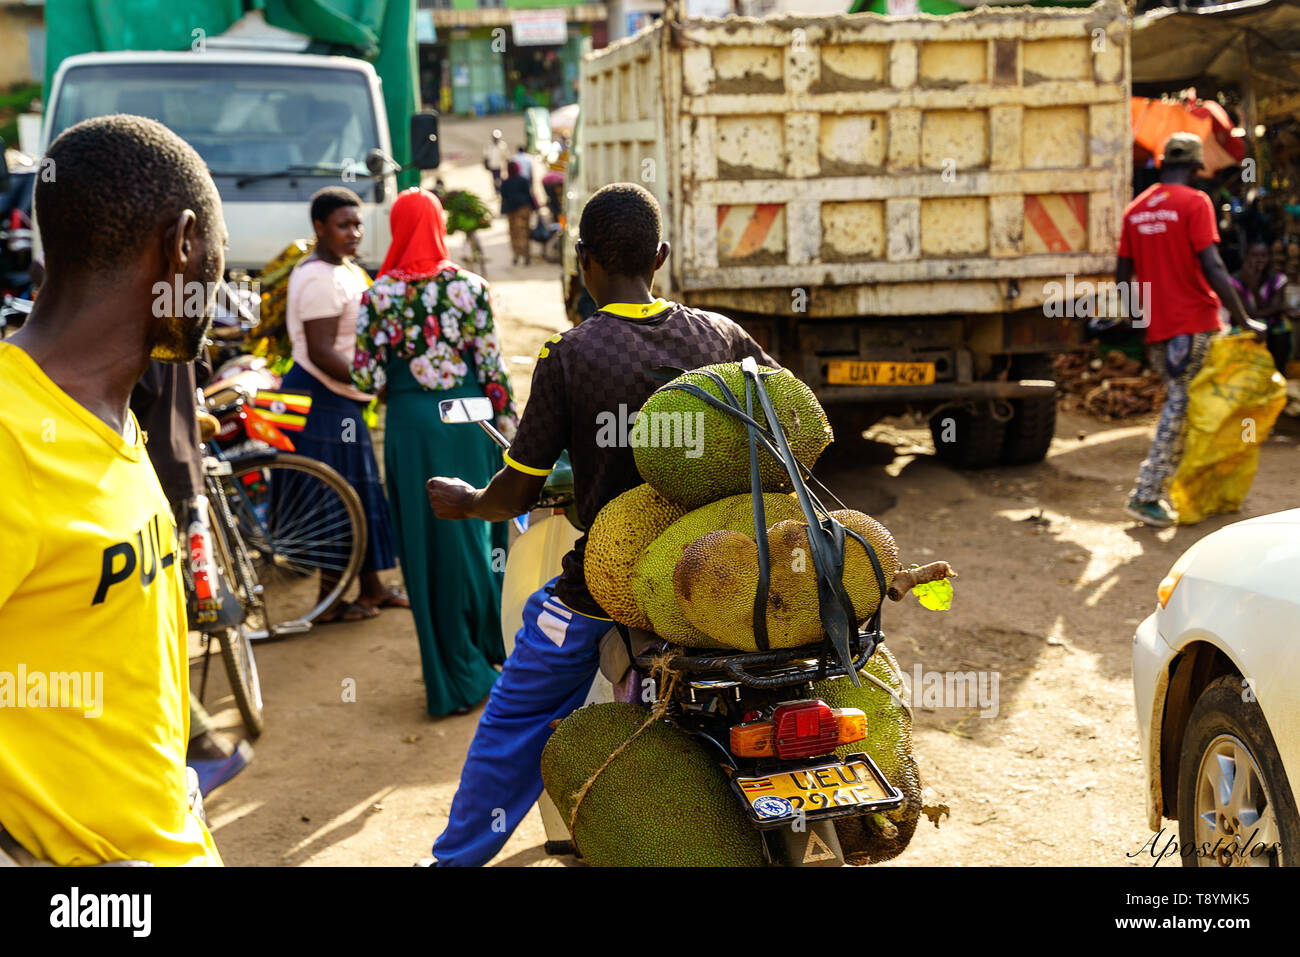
x=94, y=678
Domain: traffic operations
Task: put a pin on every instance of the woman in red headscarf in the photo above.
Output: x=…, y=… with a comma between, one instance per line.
x=426, y=333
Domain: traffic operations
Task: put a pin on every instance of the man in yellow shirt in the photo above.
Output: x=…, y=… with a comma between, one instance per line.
x=93, y=664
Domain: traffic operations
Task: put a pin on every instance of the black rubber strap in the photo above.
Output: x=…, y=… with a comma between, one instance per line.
x=761, y=640
x=826, y=541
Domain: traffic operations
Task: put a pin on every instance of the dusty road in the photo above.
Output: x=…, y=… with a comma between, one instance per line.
x=1053, y=581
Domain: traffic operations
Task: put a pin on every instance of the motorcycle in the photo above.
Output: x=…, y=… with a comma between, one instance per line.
x=14, y=311
x=755, y=712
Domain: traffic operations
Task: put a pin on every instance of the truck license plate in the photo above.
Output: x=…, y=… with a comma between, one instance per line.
x=853, y=787
x=851, y=372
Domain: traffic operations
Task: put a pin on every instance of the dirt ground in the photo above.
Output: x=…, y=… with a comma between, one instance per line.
x=1053, y=581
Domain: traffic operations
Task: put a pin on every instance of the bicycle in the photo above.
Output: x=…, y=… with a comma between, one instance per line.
x=223, y=593
x=475, y=259
x=298, y=521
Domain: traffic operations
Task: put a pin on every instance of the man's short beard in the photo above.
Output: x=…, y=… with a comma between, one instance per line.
x=180, y=340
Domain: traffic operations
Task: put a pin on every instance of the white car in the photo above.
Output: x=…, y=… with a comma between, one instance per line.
x=1216, y=680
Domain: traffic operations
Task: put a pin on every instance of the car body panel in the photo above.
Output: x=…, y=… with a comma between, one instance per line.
x=1240, y=592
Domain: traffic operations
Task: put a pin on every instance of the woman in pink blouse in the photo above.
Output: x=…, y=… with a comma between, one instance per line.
x=325, y=291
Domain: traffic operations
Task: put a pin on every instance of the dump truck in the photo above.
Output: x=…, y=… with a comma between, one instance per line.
x=898, y=208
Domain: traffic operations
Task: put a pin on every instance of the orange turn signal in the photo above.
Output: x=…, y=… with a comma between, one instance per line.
x=1167, y=585
x=852, y=724
x=753, y=740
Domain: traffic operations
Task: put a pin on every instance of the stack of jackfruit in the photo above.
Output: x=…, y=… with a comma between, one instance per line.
x=678, y=555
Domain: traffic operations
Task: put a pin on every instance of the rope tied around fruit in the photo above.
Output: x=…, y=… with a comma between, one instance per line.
x=659, y=671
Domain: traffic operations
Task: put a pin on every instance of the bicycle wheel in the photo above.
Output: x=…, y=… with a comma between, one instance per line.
x=236, y=650
x=305, y=532
x=245, y=683
x=475, y=258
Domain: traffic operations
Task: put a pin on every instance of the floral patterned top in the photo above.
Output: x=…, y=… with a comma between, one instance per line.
x=441, y=326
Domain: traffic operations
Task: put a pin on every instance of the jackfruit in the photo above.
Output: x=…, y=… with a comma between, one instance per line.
x=889, y=742
x=662, y=802
x=652, y=576
x=622, y=529
x=715, y=582
x=715, y=462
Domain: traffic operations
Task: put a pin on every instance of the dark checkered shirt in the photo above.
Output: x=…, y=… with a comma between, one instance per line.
x=600, y=369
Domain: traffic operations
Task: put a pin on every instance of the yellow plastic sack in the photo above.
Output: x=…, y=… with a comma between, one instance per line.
x=1232, y=404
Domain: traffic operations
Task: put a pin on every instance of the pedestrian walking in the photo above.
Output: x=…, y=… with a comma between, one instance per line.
x=524, y=160
x=324, y=298
x=518, y=204
x=494, y=159
x=427, y=333
x=1168, y=244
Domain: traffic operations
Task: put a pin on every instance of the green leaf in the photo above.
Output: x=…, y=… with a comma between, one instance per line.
x=936, y=596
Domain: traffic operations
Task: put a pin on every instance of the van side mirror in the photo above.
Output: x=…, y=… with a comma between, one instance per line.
x=425, y=149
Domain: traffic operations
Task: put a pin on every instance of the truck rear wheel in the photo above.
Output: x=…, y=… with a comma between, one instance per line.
x=1033, y=421
x=1030, y=431
x=967, y=438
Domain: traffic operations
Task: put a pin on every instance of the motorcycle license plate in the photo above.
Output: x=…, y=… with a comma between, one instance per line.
x=855, y=786
x=850, y=372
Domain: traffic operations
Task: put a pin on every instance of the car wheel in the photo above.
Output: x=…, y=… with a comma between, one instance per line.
x=1235, y=805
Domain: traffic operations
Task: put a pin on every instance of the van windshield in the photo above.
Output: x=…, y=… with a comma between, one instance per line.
x=243, y=119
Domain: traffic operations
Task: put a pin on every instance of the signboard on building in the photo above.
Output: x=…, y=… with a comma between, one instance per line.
x=536, y=28
x=708, y=8
x=425, y=31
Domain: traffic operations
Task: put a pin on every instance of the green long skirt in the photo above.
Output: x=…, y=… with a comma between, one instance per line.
x=453, y=570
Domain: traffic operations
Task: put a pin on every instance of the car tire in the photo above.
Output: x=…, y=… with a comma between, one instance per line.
x=972, y=440
x=1227, y=719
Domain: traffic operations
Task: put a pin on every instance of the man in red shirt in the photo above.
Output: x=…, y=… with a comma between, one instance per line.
x=1169, y=242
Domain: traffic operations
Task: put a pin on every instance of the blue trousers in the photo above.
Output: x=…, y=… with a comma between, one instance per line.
x=546, y=677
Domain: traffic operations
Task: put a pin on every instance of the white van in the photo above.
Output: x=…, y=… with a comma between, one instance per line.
x=273, y=128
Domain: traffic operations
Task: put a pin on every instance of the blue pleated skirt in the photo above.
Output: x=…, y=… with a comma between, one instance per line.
x=336, y=434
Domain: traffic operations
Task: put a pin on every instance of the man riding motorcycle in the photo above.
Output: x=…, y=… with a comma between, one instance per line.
x=610, y=364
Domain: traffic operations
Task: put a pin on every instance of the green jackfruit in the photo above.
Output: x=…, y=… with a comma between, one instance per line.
x=715, y=581
x=652, y=576
x=624, y=527
x=866, y=839
x=716, y=462
x=662, y=802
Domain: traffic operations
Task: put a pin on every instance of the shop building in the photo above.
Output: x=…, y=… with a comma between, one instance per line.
x=477, y=59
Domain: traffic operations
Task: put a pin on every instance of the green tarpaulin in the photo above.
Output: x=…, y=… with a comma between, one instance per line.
x=382, y=31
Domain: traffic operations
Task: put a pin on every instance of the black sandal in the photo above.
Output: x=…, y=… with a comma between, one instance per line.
x=348, y=611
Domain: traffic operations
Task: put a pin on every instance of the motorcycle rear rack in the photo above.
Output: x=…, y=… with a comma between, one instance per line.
x=741, y=666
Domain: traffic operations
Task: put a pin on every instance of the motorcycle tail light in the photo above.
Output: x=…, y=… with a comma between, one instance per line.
x=805, y=729
x=798, y=731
